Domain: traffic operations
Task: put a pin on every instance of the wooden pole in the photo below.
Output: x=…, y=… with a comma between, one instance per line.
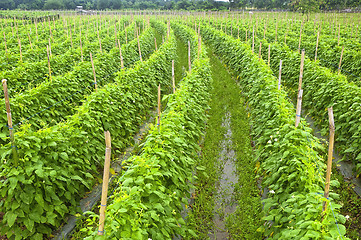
x=6, y=48
x=49, y=47
x=173, y=78
x=81, y=47
x=126, y=38
x=120, y=54
x=71, y=39
x=199, y=44
x=299, y=41
x=140, y=53
x=189, y=57
x=253, y=40
x=10, y=122
x=279, y=75
x=318, y=37
x=31, y=46
x=95, y=79
x=260, y=51
x=339, y=65
x=338, y=38
x=100, y=42
x=299, y=107
x=36, y=30
x=329, y=159
x=159, y=106
x=276, y=31
x=269, y=54
x=103, y=203
x=301, y=69
x=47, y=52
x=21, y=55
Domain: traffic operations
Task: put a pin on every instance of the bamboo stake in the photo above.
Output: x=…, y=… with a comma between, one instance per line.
x=299, y=106
x=269, y=54
x=159, y=106
x=199, y=44
x=100, y=43
x=155, y=43
x=301, y=69
x=318, y=36
x=49, y=47
x=81, y=47
x=120, y=54
x=299, y=42
x=103, y=203
x=36, y=30
x=140, y=53
x=71, y=38
x=173, y=77
x=21, y=55
x=95, y=79
x=10, y=122
x=6, y=48
x=338, y=38
x=253, y=40
x=279, y=75
x=276, y=31
x=126, y=38
x=31, y=46
x=260, y=51
x=329, y=159
x=264, y=30
x=339, y=65
x=47, y=52
x=189, y=57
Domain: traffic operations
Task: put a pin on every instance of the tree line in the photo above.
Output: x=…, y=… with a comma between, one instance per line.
x=299, y=5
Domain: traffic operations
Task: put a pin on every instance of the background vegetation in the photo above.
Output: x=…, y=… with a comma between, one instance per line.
x=299, y=5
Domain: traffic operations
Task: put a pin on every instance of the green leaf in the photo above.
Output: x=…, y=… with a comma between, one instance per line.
x=29, y=224
x=10, y=217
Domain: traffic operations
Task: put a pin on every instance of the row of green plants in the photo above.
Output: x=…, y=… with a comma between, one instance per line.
x=154, y=189
x=323, y=88
x=27, y=75
x=290, y=159
x=66, y=35
x=328, y=52
x=26, y=14
x=69, y=90
x=37, y=195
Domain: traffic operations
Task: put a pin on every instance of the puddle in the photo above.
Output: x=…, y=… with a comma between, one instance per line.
x=225, y=202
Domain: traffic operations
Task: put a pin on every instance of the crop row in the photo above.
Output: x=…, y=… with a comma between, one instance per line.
x=40, y=192
x=67, y=92
x=322, y=88
x=154, y=188
x=61, y=39
x=29, y=74
x=290, y=163
x=328, y=50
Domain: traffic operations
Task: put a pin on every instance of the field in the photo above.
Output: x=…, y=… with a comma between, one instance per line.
x=223, y=125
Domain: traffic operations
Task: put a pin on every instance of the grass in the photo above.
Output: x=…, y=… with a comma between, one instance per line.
x=243, y=223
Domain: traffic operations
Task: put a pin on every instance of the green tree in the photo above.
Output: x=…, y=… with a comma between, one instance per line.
x=53, y=4
x=306, y=6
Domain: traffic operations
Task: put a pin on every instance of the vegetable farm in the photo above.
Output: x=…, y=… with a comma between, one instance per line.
x=180, y=125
